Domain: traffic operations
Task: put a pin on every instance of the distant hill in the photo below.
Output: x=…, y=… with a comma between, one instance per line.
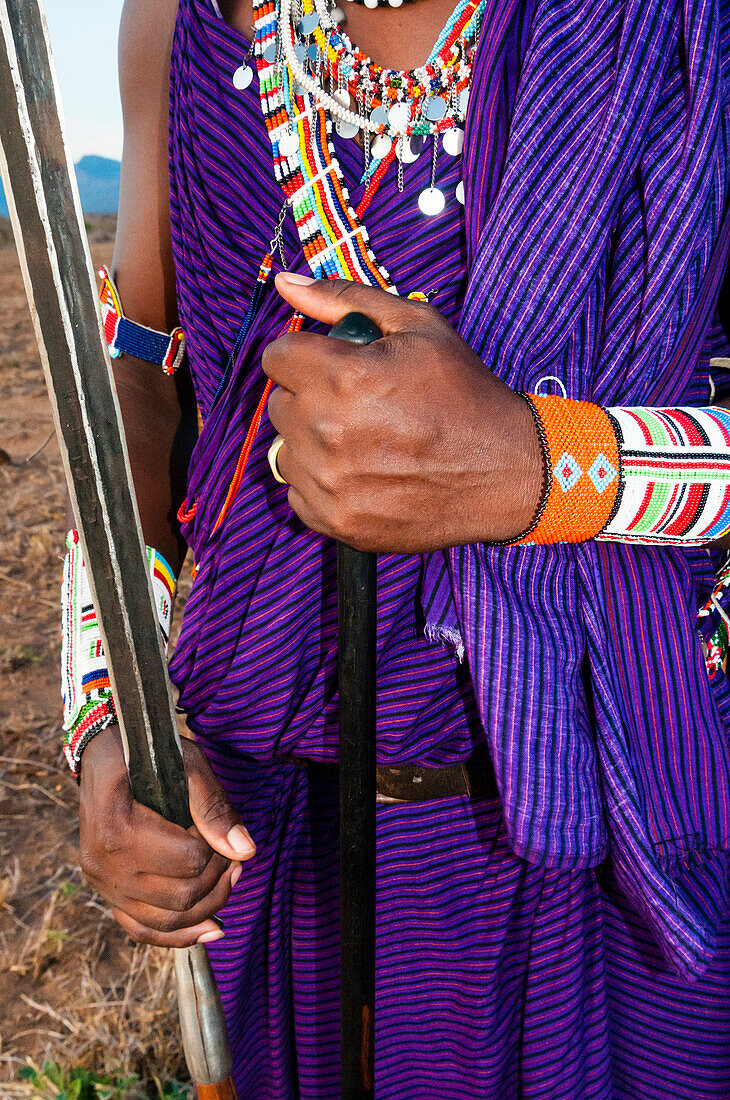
x=98, y=179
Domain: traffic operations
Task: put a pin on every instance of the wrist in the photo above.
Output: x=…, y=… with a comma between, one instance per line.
x=531, y=473
x=514, y=462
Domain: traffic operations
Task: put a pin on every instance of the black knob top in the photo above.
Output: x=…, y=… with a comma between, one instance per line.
x=356, y=328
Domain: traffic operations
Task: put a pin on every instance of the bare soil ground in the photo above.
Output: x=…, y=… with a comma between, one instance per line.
x=73, y=989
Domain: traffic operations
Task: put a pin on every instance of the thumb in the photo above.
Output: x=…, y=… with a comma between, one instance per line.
x=211, y=810
x=329, y=300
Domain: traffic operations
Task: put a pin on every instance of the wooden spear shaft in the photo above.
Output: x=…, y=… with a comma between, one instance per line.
x=37, y=172
x=357, y=615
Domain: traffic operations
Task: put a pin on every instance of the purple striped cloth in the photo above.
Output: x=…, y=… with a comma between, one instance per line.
x=513, y=960
x=597, y=244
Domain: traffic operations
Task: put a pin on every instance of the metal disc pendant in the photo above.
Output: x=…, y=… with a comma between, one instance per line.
x=301, y=51
x=431, y=201
x=270, y=53
x=346, y=129
x=435, y=108
x=453, y=141
x=460, y=197
x=379, y=116
x=417, y=143
x=380, y=146
x=313, y=52
x=463, y=102
x=405, y=151
x=399, y=116
x=308, y=23
x=338, y=16
x=289, y=144
x=242, y=77
x=343, y=97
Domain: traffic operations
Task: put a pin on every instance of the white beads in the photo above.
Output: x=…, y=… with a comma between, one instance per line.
x=371, y=3
x=395, y=3
x=431, y=201
x=242, y=77
x=453, y=141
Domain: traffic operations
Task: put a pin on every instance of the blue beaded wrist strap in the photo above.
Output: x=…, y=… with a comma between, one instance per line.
x=126, y=337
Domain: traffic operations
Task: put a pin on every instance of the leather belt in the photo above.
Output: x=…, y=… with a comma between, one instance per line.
x=472, y=778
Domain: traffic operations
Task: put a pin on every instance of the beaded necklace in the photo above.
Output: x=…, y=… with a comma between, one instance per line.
x=297, y=109
x=332, y=234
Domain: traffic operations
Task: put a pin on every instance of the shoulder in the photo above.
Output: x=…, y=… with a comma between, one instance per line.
x=145, y=42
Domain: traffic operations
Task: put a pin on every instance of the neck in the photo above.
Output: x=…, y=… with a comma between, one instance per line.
x=397, y=38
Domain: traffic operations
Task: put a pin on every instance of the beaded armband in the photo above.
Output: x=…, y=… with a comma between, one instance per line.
x=88, y=705
x=580, y=453
x=126, y=337
x=631, y=474
x=675, y=476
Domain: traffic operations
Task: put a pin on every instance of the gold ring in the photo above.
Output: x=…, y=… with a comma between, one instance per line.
x=273, y=458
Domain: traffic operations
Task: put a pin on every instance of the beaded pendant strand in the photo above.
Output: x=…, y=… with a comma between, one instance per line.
x=298, y=114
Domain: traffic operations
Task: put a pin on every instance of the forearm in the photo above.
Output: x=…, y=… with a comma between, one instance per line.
x=160, y=424
x=159, y=411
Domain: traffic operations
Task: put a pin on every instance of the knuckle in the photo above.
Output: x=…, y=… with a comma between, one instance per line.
x=185, y=895
x=332, y=434
x=342, y=521
x=90, y=866
x=109, y=840
x=195, y=860
x=164, y=920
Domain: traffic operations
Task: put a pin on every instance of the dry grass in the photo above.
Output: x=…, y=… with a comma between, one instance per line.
x=73, y=989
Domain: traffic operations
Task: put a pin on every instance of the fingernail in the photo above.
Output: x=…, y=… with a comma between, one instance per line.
x=218, y=921
x=295, y=277
x=210, y=937
x=241, y=842
x=236, y=875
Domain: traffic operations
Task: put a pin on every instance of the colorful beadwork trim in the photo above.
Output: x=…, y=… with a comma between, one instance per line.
x=675, y=481
x=582, y=470
x=714, y=624
x=88, y=706
x=126, y=337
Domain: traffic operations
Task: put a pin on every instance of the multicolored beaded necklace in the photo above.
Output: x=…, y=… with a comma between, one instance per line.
x=400, y=108
x=396, y=112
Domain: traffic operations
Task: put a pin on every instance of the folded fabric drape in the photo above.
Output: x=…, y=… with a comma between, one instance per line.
x=596, y=195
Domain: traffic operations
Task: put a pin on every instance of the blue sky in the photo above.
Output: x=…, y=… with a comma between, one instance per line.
x=84, y=40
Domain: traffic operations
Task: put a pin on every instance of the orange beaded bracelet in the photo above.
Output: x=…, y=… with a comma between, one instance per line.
x=582, y=468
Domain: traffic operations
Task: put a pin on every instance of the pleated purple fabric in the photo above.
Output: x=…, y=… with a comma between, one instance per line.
x=514, y=959
x=598, y=241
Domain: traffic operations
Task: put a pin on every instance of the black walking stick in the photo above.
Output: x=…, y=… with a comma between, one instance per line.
x=49, y=231
x=356, y=596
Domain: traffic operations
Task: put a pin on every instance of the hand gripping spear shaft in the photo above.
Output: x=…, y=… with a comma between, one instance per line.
x=49, y=231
